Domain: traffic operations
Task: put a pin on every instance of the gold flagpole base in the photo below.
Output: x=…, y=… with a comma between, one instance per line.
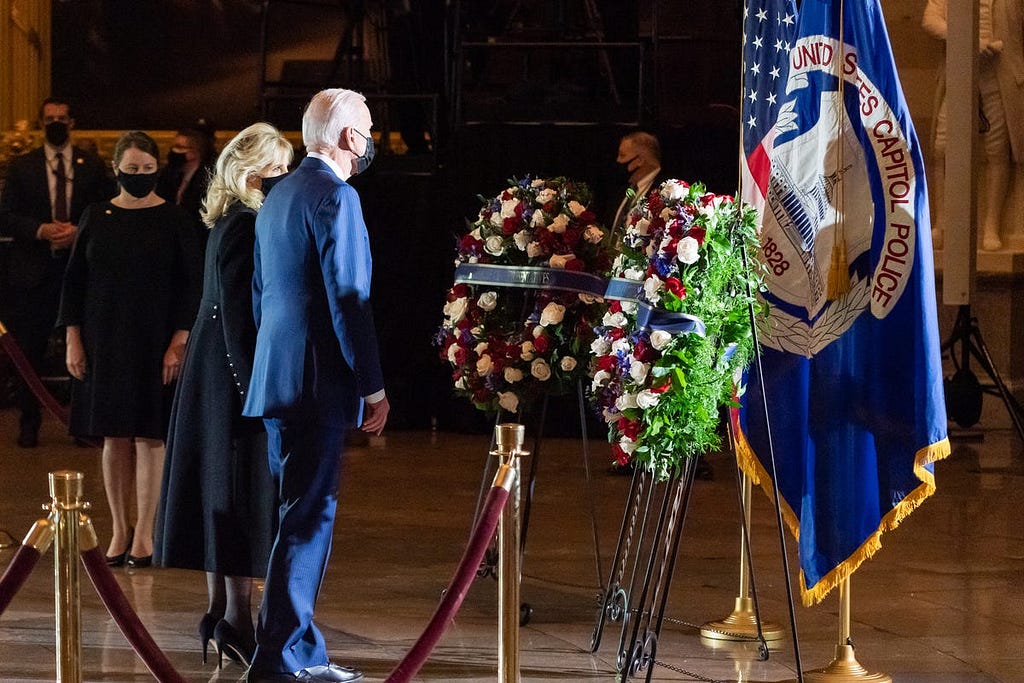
x=741, y=625
x=843, y=668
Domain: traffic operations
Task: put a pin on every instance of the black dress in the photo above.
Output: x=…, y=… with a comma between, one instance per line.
x=128, y=286
x=218, y=505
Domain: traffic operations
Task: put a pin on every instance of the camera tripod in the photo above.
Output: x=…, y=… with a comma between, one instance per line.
x=964, y=392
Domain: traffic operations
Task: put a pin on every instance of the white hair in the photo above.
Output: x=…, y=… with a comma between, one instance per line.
x=327, y=113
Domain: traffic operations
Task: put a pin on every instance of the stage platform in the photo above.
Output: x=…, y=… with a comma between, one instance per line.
x=940, y=603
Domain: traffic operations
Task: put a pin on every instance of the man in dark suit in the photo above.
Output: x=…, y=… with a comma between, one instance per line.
x=43, y=198
x=316, y=368
x=639, y=155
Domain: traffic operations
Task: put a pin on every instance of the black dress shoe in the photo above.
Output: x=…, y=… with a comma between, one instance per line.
x=330, y=672
x=139, y=562
x=28, y=437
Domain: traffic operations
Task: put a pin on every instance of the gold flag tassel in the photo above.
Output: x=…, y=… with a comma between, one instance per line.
x=839, y=272
x=838, y=283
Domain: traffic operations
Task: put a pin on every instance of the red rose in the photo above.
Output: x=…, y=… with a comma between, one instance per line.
x=615, y=306
x=458, y=291
x=644, y=352
x=697, y=234
x=629, y=428
x=541, y=343
x=662, y=389
x=621, y=456
x=616, y=333
x=606, y=363
x=510, y=225
x=676, y=287
x=575, y=264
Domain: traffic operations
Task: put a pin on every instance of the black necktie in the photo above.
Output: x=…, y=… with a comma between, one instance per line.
x=60, y=196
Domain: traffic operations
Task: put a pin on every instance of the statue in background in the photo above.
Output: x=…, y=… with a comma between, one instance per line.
x=1001, y=90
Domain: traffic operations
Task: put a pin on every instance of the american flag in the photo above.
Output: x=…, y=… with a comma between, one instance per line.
x=769, y=29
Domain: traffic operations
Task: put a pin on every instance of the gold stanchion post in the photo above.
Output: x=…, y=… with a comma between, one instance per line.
x=844, y=668
x=741, y=624
x=509, y=443
x=66, y=506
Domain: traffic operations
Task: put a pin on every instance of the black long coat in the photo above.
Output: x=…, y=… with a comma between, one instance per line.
x=217, y=508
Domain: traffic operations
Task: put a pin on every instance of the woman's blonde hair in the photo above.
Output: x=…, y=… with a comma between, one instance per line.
x=248, y=153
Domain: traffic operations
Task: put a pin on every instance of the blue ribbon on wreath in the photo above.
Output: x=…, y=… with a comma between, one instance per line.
x=530, y=277
x=673, y=322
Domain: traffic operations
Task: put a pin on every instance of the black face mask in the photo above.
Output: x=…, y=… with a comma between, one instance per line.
x=176, y=159
x=57, y=133
x=137, y=185
x=266, y=184
x=364, y=160
x=625, y=164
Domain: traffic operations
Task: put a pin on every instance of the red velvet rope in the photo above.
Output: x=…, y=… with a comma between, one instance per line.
x=21, y=566
x=127, y=620
x=453, y=597
x=8, y=343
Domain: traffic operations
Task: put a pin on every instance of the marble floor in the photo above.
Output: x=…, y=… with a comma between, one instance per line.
x=940, y=603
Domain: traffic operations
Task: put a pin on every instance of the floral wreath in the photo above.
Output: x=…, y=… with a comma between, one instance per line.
x=676, y=336
x=518, y=322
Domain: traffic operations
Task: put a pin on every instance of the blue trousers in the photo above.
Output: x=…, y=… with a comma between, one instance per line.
x=305, y=459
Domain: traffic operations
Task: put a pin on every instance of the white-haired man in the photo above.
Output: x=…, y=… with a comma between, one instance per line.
x=316, y=370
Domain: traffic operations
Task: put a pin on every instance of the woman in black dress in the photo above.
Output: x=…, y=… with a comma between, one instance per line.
x=218, y=503
x=127, y=307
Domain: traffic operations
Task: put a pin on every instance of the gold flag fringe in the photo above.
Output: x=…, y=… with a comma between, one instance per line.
x=752, y=467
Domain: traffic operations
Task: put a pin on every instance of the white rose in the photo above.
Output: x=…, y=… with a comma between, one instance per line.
x=629, y=307
x=456, y=310
x=626, y=401
x=600, y=346
x=568, y=363
x=537, y=331
x=652, y=286
x=508, y=401
x=461, y=384
x=508, y=208
x=560, y=223
x=513, y=375
x=660, y=339
x=484, y=365
x=496, y=220
x=621, y=346
x=610, y=417
x=494, y=245
x=540, y=369
x=642, y=227
x=487, y=301
x=521, y=238
x=452, y=350
x=614, y=319
x=688, y=250
x=559, y=260
x=674, y=191
x=593, y=234
x=552, y=314
x=538, y=218
x=533, y=249
x=576, y=207
x=647, y=399
x=476, y=331
x=601, y=377
x=638, y=371
x=545, y=195
x=537, y=182
x=666, y=214
x=618, y=262
x=588, y=298
x=633, y=274
x=480, y=348
x=627, y=445
x=526, y=350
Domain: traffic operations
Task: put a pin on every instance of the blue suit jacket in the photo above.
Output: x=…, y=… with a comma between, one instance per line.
x=316, y=348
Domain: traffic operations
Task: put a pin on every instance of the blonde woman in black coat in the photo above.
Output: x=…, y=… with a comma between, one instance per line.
x=218, y=503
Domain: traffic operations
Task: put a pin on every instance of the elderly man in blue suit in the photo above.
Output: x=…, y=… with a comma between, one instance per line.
x=316, y=371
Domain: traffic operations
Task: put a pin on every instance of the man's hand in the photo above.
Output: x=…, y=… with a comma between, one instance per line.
x=59, y=235
x=375, y=416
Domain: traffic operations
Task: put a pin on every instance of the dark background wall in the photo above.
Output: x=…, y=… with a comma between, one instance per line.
x=554, y=110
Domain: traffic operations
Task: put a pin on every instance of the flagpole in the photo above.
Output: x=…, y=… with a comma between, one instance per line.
x=743, y=622
x=845, y=666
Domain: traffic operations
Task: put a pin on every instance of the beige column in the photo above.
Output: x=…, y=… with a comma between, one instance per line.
x=25, y=58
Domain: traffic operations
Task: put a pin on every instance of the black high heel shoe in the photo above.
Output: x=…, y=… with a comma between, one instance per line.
x=207, y=626
x=230, y=642
x=120, y=560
